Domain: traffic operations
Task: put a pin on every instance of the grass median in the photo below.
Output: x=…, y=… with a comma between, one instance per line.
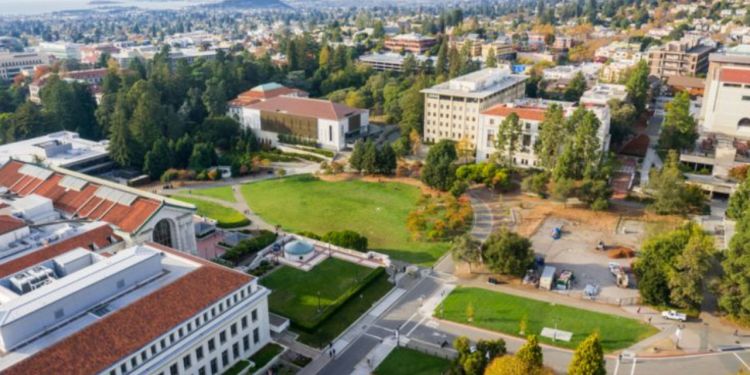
x=504, y=312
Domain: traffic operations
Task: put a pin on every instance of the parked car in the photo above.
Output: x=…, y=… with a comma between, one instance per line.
x=674, y=315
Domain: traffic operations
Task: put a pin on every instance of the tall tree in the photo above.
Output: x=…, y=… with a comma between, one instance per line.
x=548, y=146
x=214, y=98
x=734, y=298
x=575, y=88
x=679, y=127
x=466, y=249
x=739, y=201
x=508, y=138
x=508, y=253
x=671, y=194
x=531, y=353
x=637, y=86
x=588, y=358
x=122, y=148
x=355, y=159
x=441, y=66
x=370, y=158
x=491, y=60
x=157, y=160
x=439, y=170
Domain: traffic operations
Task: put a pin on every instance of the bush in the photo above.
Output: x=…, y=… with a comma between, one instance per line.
x=169, y=175
x=310, y=235
x=536, y=183
x=250, y=246
x=346, y=239
x=459, y=187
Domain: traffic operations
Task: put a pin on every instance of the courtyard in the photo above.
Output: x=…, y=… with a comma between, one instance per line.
x=377, y=210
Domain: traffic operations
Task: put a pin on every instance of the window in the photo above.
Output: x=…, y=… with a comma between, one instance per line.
x=330, y=133
x=186, y=363
x=202, y=371
x=124, y=368
x=233, y=329
x=256, y=335
x=211, y=345
x=199, y=353
x=225, y=358
x=222, y=337
x=143, y=355
x=163, y=343
x=214, y=366
x=180, y=332
x=236, y=350
x=173, y=369
x=153, y=349
x=244, y=322
x=246, y=343
x=134, y=362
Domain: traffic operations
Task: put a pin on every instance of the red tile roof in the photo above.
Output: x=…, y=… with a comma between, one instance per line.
x=306, y=107
x=128, y=330
x=525, y=113
x=735, y=75
x=83, y=203
x=99, y=236
x=9, y=224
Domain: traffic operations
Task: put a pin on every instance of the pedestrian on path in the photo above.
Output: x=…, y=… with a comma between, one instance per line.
x=639, y=310
x=735, y=332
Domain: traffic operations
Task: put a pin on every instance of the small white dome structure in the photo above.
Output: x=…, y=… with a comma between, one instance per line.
x=299, y=251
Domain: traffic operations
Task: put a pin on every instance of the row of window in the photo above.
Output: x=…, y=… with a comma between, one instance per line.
x=187, y=328
x=226, y=359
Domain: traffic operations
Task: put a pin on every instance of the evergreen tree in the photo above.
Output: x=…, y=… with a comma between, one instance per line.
x=491, y=60
x=734, y=298
x=122, y=148
x=439, y=170
x=214, y=98
x=575, y=88
x=183, y=148
x=508, y=138
x=203, y=157
x=588, y=358
x=157, y=160
x=441, y=66
x=355, y=160
x=386, y=160
x=637, y=86
x=370, y=158
x=679, y=127
x=548, y=145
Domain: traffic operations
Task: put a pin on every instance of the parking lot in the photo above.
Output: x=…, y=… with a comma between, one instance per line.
x=576, y=251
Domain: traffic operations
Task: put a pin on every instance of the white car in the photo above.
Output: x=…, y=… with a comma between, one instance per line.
x=674, y=315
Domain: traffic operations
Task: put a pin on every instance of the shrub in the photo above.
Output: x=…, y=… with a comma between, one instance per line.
x=169, y=175
x=459, y=187
x=346, y=239
x=250, y=246
x=536, y=184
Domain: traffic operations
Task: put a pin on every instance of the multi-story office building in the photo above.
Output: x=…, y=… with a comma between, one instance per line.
x=136, y=215
x=61, y=50
x=393, y=62
x=287, y=118
x=531, y=114
x=14, y=63
x=414, y=43
x=686, y=57
x=725, y=114
x=452, y=108
x=144, y=309
x=261, y=93
x=60, y=149
x=91, y=77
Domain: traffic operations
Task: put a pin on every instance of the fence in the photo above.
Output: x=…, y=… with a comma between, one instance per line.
x=430, y=349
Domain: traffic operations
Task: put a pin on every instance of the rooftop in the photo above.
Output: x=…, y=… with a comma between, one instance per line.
x=412, y=37
x=306, y=107
x=601, y=93
x=264, y=92
x=78, y=196
x=479, y=84
x=62, y=149
x=133, y=319
x=526, y=109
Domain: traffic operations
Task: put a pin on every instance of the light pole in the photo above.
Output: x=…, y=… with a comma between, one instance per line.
x=318, y=302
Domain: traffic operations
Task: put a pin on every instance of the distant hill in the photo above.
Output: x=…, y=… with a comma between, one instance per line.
x=252, y=4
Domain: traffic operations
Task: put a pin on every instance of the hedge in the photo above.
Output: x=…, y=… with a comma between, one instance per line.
x=250, y=246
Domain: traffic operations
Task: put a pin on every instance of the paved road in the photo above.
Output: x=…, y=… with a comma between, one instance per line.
x=417, y=327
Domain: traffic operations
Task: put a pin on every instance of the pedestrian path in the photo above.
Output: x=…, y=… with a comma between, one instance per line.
x=376, y=356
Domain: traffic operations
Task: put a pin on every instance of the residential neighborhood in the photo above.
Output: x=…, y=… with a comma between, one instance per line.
x=419, y=187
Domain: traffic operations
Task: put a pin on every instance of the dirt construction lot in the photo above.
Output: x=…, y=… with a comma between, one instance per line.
x=576, y=251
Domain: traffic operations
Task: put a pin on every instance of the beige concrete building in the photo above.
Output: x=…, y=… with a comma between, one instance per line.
x=452, y=108
x=686, y=57
x=724, y=115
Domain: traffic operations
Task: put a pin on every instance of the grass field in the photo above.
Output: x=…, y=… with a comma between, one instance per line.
x=349, y=312
x=377, y=210
x=223, y=193
x=405, y=361
x=295, y=292
x=503, y=312
x=226, y=217
x=266, y=354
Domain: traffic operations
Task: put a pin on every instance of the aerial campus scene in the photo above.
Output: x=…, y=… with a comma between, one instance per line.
x=416, y=187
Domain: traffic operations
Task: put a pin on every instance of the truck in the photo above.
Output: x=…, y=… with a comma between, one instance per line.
x=674, y=315
x=547, y=279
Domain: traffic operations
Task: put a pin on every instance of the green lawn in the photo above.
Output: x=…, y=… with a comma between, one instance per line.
x=377, y=210
x=225, y=216
x=266, y=354
x=350, y=311
x=503, y=312
x=295, y=292
x=405, y=361
x=223, y=193
x=237, y=368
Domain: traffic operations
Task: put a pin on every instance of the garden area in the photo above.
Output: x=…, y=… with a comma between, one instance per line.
x=405, y=361
x=225, y=217
x=266, y=354
x=508, y=314
x=343, y=291
x=378, y=211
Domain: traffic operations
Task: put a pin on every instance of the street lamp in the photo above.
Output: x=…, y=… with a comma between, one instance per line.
x=318, y=302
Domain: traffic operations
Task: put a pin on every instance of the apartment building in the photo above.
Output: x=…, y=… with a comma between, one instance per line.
x=286, y=118
x=390, y=62
x=686, y=57
x=61, y=50
x=452, y=108
x=14, y=63
x=414, y=43
x=531, y=114
x=725, y=114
